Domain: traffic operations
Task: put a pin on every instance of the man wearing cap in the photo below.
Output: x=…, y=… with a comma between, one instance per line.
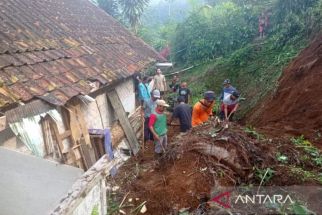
x=158, y=127
x=228, y=88
x=183, y=112
x=203, y=109
x=229, y=106
x=148, y=107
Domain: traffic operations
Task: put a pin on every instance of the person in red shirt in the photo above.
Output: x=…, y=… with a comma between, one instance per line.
x=261, y=26
x=158, y=127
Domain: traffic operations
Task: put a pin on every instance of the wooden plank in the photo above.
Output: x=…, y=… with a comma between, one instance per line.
x=93, y=142
x=83, y=125
x=87, y=154
x=44, y=135
x=124, y=120
x=84, y=185
x=66, y=134
x=55, y=132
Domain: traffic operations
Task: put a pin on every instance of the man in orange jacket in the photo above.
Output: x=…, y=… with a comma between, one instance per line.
x=203, y=109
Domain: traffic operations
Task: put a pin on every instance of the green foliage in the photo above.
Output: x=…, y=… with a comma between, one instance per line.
x=281, y=158
x=110, y=6
x=95, y=210
x=307, y=146
x=252, y=132
x=207, y=35
x=132, y=11
x=293, y=208
x=127, y=11
x=264, y=175
x=158, y=37
x=306, y=175
x=298, y=208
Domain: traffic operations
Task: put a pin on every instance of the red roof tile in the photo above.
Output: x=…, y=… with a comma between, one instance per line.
x=53, y=49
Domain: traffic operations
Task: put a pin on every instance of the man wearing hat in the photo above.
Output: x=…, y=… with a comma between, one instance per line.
x=203, y=109
x=158, y=127
x=228, y=88
x=148, y=107
x=229, y=106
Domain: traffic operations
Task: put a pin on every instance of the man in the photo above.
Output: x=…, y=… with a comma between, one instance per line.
x=185, y=92
x=144, y=90
x=229, y=106
x=148, y=107
x=203, y=109
x=158, y=127
x=183, y=112
x=174, y=84
x=228, y=88
x=160, y=82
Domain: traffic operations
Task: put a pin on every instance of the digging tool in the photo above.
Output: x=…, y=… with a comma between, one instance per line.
x=163, y=149
x=143, y=127
x=227, y=123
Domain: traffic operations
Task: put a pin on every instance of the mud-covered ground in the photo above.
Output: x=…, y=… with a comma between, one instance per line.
x=204, y=159
x=294, y=108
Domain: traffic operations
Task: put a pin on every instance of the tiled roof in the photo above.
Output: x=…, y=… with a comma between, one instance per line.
x=52, y=49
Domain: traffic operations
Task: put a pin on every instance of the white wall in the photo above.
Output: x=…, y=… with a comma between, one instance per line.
x=30, y=132
x=127, y=95
x=100, y=114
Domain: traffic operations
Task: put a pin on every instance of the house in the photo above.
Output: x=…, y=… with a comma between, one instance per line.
x=66, y=80
x=66, y=95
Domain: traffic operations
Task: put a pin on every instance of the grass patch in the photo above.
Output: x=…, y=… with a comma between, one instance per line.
x=313, y=153
x=253, y=70
x=305, y=175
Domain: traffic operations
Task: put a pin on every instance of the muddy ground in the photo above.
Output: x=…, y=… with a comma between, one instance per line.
x=205, y=159
x=294, y=108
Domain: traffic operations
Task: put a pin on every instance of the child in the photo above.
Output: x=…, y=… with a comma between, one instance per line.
x=158, y=127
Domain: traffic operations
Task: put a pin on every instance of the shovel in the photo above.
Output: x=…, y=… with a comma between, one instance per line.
x=227, y=123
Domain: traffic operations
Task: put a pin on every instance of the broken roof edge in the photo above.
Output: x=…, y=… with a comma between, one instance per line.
x=30, y=109
x=40, y=104
x=84, y=184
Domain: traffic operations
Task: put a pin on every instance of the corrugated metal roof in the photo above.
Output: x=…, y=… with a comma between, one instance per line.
x=51, y=49
x=33, y=108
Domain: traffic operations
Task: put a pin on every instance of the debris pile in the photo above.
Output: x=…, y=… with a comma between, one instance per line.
x=199, y=161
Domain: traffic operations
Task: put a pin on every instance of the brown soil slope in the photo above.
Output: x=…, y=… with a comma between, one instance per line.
x=296, y=106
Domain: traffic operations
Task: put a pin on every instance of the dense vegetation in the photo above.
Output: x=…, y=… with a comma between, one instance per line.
x=221, y=36
x=128, y=12
x=224, y=40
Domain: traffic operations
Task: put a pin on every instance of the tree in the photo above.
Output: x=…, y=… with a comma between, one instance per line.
x=132, y=11
x=110, y=7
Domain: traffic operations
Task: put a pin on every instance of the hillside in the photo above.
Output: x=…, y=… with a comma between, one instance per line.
x=295, y=106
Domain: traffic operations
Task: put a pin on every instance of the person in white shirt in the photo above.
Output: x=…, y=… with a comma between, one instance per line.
x=229, y=106
x=160, y=82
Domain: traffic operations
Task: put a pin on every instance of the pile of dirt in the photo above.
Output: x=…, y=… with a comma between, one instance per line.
x=295, y=106
x=196, y=163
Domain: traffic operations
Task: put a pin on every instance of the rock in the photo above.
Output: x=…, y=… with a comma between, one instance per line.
x=115, y=188
x=122, y=212
x=143, y=209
